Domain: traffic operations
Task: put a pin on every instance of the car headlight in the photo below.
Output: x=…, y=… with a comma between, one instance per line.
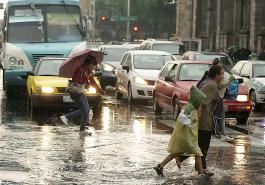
x=242, y=98
x=91, y=90
x=15, y=62
x=108, y=67
x=47, y=90
x=139, y=80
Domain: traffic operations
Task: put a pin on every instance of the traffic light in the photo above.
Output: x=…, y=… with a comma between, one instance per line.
x=135, y=29
x=104, y=18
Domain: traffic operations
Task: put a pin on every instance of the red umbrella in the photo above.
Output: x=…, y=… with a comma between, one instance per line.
x=76, y=60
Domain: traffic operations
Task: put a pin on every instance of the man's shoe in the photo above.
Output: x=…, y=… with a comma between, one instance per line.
x=208, y=173
x=226, y=138
x=159, y=170
x=64, y=120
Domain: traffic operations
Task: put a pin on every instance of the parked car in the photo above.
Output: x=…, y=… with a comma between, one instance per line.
x=177, y=49
x=112, y=57
x=47, y=90
x=224, y=58
x=253, y=74
x=137, y=73
x=171, y=89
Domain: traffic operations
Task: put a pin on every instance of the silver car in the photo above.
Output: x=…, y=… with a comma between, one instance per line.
x=253, y=74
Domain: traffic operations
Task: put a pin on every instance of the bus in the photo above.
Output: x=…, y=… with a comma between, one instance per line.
x=34, y=29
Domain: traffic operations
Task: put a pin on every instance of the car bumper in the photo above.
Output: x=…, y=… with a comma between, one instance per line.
x=236, y=109
x=56, y=101
x=260, y=97
x=13, y=78
x=142, y=91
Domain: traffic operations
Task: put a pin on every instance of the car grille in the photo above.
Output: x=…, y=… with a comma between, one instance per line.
x=150, y=82
x=36, y=57
x=61, y=89
x=150, y=93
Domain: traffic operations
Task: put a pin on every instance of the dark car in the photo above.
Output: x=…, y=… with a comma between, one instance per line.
x=112, y=57
x=224, y=58
x=172, y=87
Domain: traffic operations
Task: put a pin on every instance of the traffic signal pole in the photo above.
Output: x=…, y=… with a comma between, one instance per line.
x=128, y=35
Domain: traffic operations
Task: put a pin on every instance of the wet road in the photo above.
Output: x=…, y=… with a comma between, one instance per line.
x=126, y=143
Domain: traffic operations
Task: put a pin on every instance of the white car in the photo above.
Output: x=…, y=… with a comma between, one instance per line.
x=253, y=74
x=137, y=73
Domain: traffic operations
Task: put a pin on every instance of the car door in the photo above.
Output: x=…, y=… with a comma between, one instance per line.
x=246, y=74
x=161, y=91
x=170, y=86
x=120, y=73
x=127, y=75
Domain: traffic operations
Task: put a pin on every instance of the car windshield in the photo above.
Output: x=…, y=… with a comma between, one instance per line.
x=150, y=61
x=173, y=48
x=35, y=23
x=49, y=67
x=225, y=60
x=258, y=70
x=114, y=54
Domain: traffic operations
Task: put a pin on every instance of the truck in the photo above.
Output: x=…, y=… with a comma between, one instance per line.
x=33, y=29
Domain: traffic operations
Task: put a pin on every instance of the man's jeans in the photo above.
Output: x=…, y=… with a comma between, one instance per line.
x=81, y=101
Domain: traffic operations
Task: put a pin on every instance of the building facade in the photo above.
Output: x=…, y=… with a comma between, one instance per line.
x=223, y=23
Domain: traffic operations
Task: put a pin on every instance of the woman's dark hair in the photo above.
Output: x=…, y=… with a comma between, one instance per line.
x=90, y=60
x=215, y=70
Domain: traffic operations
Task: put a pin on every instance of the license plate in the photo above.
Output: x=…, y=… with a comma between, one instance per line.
x=67, y=99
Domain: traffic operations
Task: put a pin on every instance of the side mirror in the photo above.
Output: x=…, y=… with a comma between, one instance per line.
x=169, y=78
x=127, y=68
x=240, y=80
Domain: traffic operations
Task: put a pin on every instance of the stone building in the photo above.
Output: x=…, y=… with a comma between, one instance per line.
x=223, y=23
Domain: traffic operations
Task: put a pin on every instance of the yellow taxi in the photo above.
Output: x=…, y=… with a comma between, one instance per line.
x=46, y=89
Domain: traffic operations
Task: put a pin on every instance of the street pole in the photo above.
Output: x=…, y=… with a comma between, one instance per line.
x=128, y=36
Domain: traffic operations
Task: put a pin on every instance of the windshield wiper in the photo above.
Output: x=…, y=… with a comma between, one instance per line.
x=32, y=6
x=76, y=24
x=47, y=75
x=260, y=76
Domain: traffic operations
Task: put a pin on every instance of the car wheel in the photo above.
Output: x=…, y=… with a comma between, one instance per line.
x=253, y=100
x=242, y=120
x=119, y=95
x=130, y=97
x=97, y=109
x=176, y=108
x=156, y=107
x=31, y=108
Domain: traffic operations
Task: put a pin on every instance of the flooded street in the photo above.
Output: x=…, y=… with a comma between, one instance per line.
x=127, y=142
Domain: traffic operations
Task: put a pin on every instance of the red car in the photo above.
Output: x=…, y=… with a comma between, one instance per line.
x=171, y=89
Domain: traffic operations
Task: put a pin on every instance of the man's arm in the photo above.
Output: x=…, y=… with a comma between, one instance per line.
x=211, y=92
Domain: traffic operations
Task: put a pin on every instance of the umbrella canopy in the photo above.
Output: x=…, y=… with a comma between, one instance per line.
x=76, y=60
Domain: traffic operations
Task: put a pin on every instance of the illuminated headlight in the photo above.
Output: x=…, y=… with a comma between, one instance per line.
x=108, y=67
x=242, y=98
x=139, y=80
x=47, y=90
x=91, y=90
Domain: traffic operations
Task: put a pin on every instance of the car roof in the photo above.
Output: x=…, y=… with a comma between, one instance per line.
x=117, y=46
x=253, y=61
x=206, y=53
x=154, y=52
